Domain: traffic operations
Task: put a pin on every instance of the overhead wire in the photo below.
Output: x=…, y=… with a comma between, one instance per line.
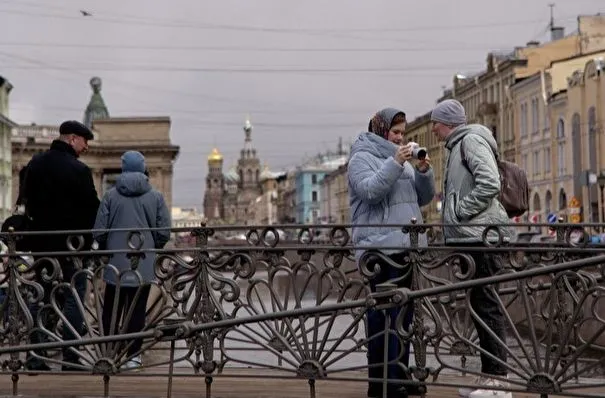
x=178, y=47
x=136, y=20
x=180, y=23
x=228, y=70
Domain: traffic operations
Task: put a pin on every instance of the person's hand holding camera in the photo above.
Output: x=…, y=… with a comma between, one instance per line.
x=424, y=164
x=403, y=154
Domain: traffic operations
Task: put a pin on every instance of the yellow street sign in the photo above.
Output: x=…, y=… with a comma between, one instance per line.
x=574, y=202
x=575, y=219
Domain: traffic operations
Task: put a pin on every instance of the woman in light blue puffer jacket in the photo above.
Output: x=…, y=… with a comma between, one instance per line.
x=386, y=188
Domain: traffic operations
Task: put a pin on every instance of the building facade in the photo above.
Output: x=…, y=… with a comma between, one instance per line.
x=286, y=197
x=213, y=195
x=307, y=183
x=113, y=137
x=585, y=111
x=230, y=197
x=265, y=205
x=535, y=156
x=334, y=191
x=6, y=126
x=419, y=131
x=249, y=184
x=486, y=96
x=560, y=136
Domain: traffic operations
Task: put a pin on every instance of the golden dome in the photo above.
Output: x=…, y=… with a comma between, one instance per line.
x=215, y=155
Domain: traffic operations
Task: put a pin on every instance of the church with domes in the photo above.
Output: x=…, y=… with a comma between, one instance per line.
x=230, y=195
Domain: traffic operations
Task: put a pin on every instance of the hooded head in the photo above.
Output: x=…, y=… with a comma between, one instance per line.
x=389, y=124
x=133, y=161
x=133, y=181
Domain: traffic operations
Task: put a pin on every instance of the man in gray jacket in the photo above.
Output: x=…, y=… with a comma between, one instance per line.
x=471, y=189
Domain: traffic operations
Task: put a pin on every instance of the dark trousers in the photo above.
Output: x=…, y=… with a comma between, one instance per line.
x=4, y=304
x=126, y=302
x=485, y=302
x=71, y=310
x=377, y=324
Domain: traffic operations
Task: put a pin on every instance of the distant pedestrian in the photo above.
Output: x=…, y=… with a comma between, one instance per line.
x=134, y=205
x=59, y=195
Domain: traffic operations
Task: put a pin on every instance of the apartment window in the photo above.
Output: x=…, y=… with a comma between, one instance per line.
x=561, y=128
x=536, y=162
x=547, y=160
x=524, y=161
x=313, y=178
x=523, y=120
x=561, y=158
x=314, y=196
x=534, y=116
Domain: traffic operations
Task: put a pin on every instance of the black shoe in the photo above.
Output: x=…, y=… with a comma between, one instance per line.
x=73, y=368
x=415, y=390
x=375, y=391
x=36, y=365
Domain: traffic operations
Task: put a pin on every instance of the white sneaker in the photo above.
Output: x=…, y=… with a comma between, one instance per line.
x=486, y=392
x=465, y=392
x=133, y=363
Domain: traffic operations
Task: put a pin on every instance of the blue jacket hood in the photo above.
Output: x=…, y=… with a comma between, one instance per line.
x=132, y=184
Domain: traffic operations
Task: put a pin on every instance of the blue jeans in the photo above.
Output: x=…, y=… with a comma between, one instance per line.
x=376, y=325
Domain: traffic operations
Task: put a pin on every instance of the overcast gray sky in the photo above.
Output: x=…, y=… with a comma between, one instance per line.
x=307, y=72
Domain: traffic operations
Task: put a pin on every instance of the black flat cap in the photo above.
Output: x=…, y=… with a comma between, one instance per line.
x=76, y=128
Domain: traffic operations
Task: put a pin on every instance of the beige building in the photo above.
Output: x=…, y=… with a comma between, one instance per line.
x=286, y=198
x=557, y=111
x=486, y=95
x=6, y=126
x=585, y=113
x=334, y=193
x=113, y=136
x=535, y=154
x=419, y=131
x=265, y=205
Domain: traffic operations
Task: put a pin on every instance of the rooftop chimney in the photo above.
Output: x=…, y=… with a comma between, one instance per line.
x=557, y=33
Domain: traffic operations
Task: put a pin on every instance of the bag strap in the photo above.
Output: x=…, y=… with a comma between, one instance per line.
x=463, y=153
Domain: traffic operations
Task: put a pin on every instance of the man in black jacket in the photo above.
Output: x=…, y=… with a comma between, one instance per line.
x=60, y=195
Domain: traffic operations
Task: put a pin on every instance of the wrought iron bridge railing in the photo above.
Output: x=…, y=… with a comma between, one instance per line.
x=291, y=301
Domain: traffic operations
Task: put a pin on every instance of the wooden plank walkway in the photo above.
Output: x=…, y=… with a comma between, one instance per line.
x=222, y=387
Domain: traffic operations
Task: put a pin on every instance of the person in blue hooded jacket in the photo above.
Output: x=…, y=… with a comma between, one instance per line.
x=386, y=188
x=131, y=204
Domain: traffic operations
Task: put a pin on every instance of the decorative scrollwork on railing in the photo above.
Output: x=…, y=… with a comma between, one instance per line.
x=259, y=299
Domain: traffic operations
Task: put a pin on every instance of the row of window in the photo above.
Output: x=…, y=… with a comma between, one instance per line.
x=541, y=160
x=535, y=118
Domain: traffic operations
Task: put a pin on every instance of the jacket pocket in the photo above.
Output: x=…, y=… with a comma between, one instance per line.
x=451, y=202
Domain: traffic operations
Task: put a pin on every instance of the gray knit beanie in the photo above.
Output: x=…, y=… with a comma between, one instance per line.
x=449, y=112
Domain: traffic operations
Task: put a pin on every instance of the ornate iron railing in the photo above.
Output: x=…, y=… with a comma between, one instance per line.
x=297, y=307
